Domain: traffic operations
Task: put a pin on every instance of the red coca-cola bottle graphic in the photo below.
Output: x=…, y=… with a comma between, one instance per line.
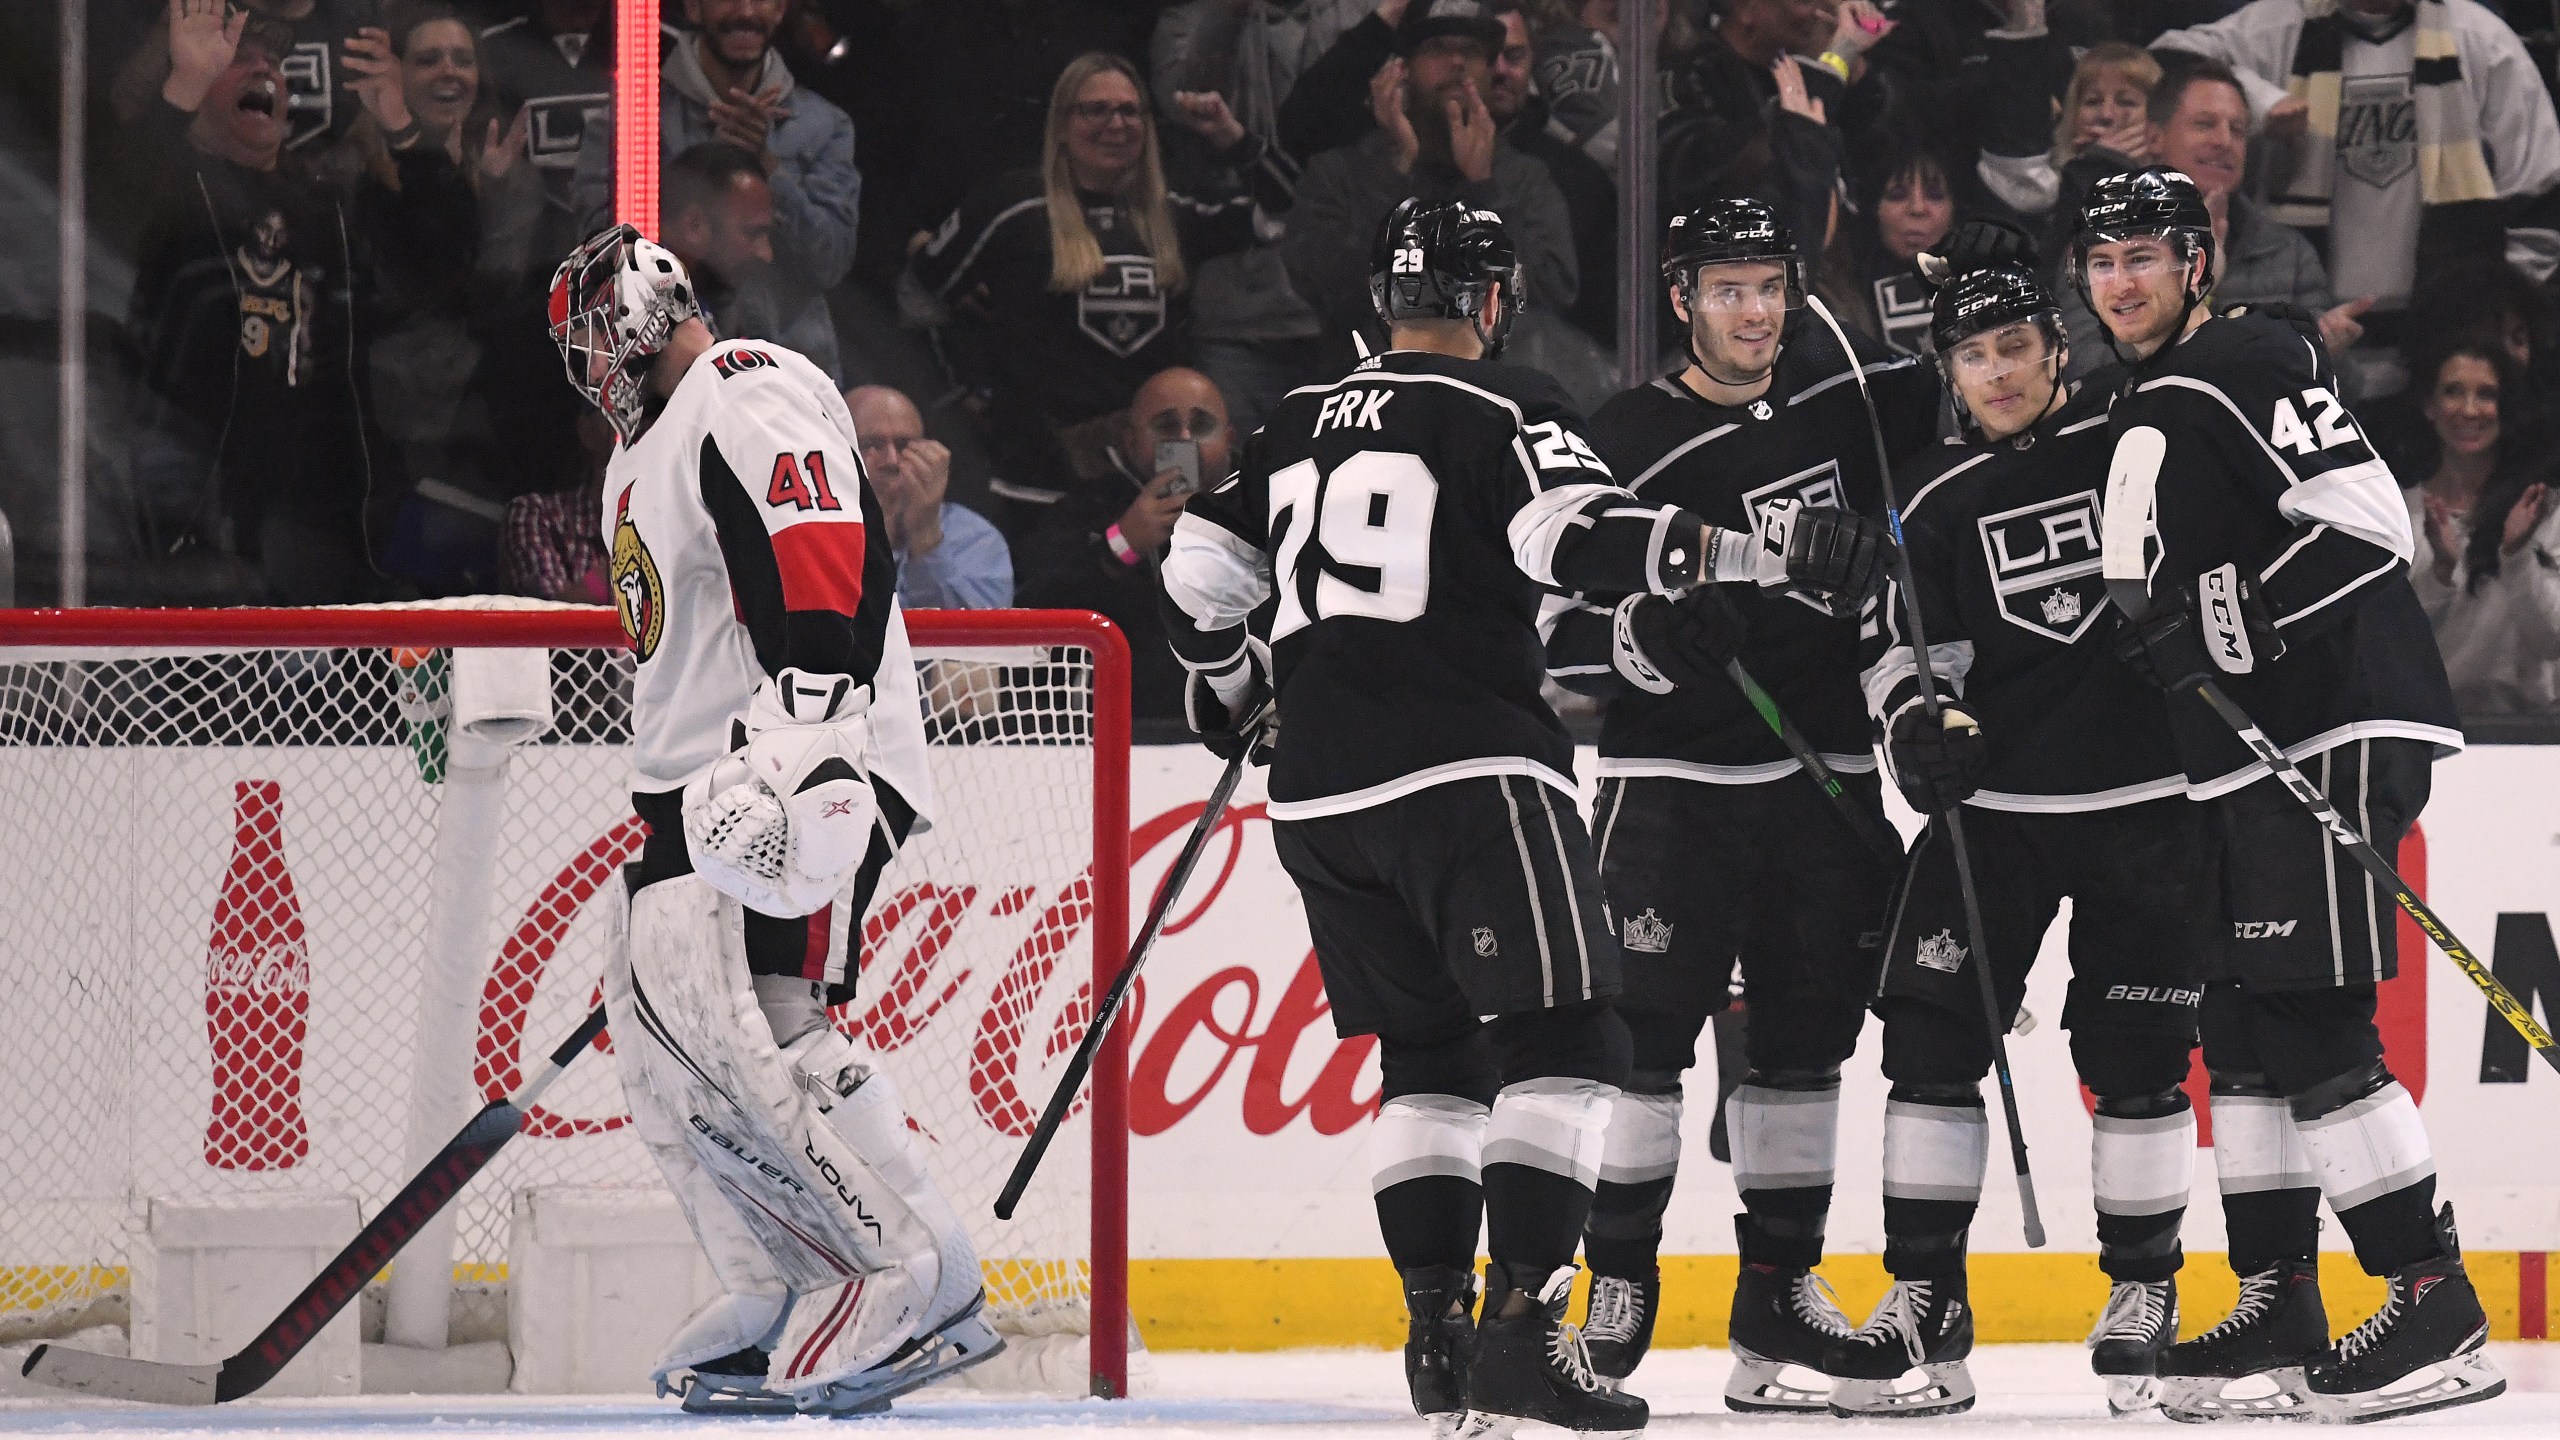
x=257, y=995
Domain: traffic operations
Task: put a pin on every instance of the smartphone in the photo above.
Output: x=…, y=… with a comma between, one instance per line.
x=1182, y=456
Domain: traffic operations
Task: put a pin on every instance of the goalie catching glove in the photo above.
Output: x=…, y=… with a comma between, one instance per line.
x=781, y=821
x=1660, y=645
x=1937, y=762
x=2215, y=626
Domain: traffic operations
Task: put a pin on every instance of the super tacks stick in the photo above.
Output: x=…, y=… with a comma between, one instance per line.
x=341, y=1280
x=1993, y=1023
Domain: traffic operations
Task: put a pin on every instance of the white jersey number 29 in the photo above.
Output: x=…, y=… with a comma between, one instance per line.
x=1374, y=514
x=2329, y=423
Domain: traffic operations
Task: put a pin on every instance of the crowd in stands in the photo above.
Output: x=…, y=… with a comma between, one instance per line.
x=1052, y=249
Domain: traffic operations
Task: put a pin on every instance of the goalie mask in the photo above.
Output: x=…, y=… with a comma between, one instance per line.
x=1442, y=262
x=614, y=303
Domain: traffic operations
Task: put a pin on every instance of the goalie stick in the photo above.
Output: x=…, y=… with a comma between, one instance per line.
x=118, y=1377
x=1954, y=823
x=1108, y=1010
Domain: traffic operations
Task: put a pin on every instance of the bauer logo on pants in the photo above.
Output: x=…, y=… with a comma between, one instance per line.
x=2045, y=562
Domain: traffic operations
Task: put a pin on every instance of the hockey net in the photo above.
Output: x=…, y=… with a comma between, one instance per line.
x=246, y=854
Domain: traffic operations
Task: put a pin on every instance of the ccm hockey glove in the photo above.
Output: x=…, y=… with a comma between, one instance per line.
x=1938, y=764
x=1660, y=645
x=2216, y=626
x=1835, y=555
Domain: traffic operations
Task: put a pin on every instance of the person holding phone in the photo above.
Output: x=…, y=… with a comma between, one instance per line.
x=1100, y=547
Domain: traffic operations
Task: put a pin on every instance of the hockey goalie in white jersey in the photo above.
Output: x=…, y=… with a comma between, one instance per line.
x=779, y=760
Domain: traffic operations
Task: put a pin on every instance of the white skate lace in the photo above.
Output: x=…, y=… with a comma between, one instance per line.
x=1568, y=1358
x=2372, y=1332
x=1816, y=1305
x=2257, y=1296
x=1898, y=1317
x=1617, y=1310
x=2134, y=1312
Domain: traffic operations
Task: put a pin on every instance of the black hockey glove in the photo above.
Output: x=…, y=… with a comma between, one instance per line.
x=1937, y=763
x=2215, y=626
x=1837, y=555
x=1660, y=645
x=1227, y=727
x=1980, y=245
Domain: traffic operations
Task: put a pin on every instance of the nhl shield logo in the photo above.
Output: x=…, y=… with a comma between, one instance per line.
x=1941, y=953
x=1486, y=945
x=2045, y=564
x=1647, y=934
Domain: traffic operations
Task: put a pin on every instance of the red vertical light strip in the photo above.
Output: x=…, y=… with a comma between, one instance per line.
x=635, y=114
x=1108, y=1347
x=2533, y=1297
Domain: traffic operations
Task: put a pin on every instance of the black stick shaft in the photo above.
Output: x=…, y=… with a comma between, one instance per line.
x=2343, y=832
x=1081, y=1064
x=1869, y=830
x=1994, y=1023
x=345, y=1276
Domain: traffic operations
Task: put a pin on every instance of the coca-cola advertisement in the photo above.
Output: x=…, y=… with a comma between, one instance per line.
x=257, y=995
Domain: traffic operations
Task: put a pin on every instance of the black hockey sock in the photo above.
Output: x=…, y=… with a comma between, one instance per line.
x=1925, y=1239
x=2366, y=1143
x=1936, y=1143
x=2142, y=1158
x=1784, y=1227
x=1431, y=1220
x=1625, y=1234
x=2141, y=1247
x=1533, y=1217
x=2394, y=1229
x=2270, y=1226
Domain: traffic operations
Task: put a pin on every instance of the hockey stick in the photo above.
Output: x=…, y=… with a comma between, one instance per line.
x=1866, y=827
x=340, y=1281
x=1954, y=822
x=2343, y=832
x=1081, y=1064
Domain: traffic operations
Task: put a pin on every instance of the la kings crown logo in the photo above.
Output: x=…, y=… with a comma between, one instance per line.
x=1647, y=934
x=1941, y=953
x=2045, y=561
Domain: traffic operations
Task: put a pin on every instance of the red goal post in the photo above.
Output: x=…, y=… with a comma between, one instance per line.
x=161, y=744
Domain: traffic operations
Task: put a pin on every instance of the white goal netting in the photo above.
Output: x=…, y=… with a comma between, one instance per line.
x=233, y=871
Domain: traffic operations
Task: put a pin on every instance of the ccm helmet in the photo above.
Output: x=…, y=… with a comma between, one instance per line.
x=1442, y=262
x=1976, y=302
x=2154, y=200
x=1726, y=232
x=618, y=297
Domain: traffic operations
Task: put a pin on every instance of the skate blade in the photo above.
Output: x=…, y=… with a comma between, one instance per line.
x=699, y=1396
x=2464, y=1379
x=2206, y=1399
x=1759, y=1386
x=2131, y=1395
x=1945, y=1388
x=965, y=1342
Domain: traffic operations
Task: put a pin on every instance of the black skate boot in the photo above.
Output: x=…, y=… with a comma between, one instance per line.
x=2140, y=1321
x=2277, y=1327
x=1782, y=1316
x=1618, y=1328
x=1531, y=1366
x=1441, y=1343
x=1923, y=1325
x=2421, y=1351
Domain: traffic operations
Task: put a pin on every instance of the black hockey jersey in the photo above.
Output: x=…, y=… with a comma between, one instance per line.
x=2250, y=457
x=1410, y=517
x=1806, y=439
x=2004, y=547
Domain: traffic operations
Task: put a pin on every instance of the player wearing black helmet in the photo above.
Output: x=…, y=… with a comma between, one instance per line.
x=2262, y=544
x=2072, y=789
x=1711, y=846
x=1409, y=518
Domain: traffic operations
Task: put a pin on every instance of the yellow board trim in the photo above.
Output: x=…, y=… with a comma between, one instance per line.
x=1295, y=1304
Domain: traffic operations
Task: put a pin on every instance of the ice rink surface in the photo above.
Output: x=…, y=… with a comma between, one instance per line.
x=2040, y=1390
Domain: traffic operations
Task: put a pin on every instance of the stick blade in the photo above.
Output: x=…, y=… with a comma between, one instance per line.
x=118, y=1377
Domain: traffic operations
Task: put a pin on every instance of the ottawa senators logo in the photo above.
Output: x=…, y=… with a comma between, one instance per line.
x=637, y=594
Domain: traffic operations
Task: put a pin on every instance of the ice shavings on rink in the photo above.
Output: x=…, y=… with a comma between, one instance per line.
x=1355, y=1395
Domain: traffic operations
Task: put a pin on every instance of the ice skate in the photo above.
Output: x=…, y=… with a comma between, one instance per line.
x=1782, y=1318
x=2140, y=1321
x=733, y=1384
x=945, y=1349
x=2251, y=1365
x=2421, y=1351
x=1922, y=1325
x=1440, y=1343
x=1531, y=1366
x=1618, y=1328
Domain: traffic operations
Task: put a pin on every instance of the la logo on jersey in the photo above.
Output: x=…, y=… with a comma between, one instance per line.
x=2045, y=565
x=638, y=597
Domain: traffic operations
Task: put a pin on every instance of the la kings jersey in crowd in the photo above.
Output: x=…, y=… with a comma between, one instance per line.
x=2252, y=459
x=741, y=534
x=2004, y=546
x=1410, y=518
x=1806, y=439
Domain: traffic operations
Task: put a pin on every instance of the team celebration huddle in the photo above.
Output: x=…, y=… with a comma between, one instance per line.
x=2144, y=641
